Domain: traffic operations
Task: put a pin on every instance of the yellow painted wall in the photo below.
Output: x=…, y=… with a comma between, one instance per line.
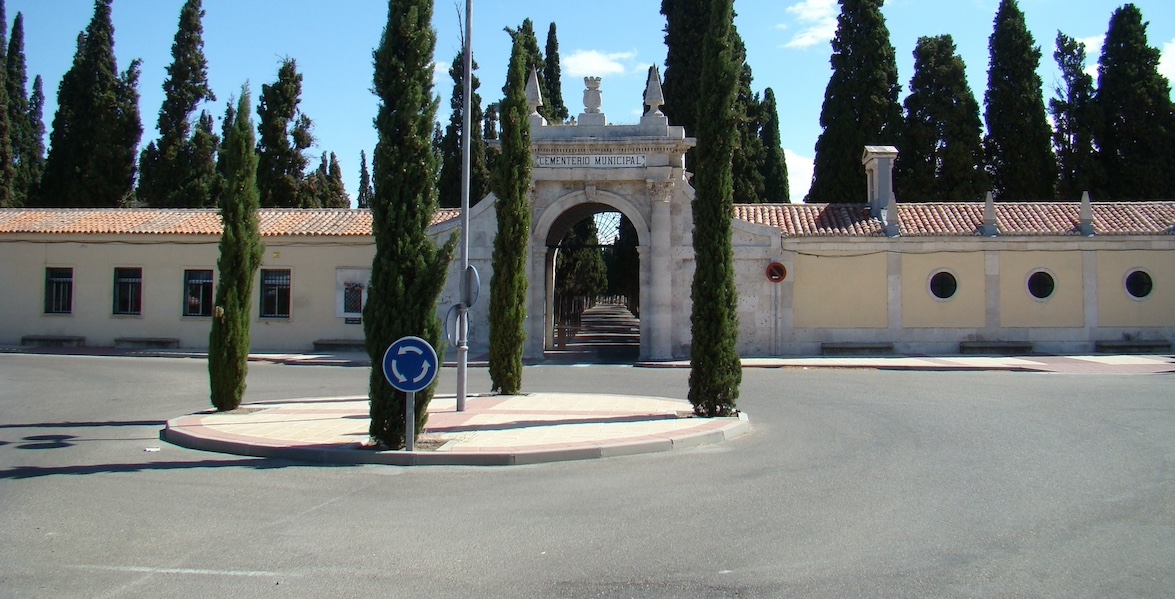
x=921, y=309
x=841, y=291
x=1116, y=307
x=313, y=313
x=1018, y=308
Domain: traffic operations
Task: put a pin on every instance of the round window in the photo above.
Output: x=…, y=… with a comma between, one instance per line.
x=1041, y=284
x=943, y=285
x=1139, y=284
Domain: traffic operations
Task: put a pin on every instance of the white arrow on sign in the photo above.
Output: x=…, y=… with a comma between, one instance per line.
x=410, y=349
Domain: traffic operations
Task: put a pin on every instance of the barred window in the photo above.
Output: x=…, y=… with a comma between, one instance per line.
x=275, y=293
x=128, y=291
x=58, y=291
x=198, y=293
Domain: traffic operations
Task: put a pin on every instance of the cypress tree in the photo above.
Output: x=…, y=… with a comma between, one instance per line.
x=7, y=168
x=1136, y=135
x=334, y=181
x=552, y=74
x=450, y=146
x=176, y=171
x=715, y=368
x=409, y=270
x=284, y=133
x=240, y=257
x=96, y=129
x=533, y=57
x=941, y=151
x=750, y=155
x=1075, y=116
x=1018, y=143
x=34, y=152
x=860, y=103
x=775, y=184
x=365, y=192
x=511, y=184
x=27, y=153
x=684, y=28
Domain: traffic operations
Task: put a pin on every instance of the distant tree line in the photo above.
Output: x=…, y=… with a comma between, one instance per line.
x=1115, y=140
x=93, y=158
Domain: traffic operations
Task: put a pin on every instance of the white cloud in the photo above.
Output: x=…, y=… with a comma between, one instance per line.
x=799, y=175
x=593, y=63
x=1167, y=61
x=440, y=73
x=1093, y=51
x=818, y=21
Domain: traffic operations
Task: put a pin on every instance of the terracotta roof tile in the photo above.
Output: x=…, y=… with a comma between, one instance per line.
x=795, y=220
x=963, y=219
x=274, y=222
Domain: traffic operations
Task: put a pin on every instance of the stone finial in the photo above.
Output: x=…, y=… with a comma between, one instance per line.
x=592, y=97
x=654, y=97
x=592, y=100
x=1086, y=215
x=534, y=99
x=990, y=228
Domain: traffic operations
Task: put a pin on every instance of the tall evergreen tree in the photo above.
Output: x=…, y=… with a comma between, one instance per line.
x=365, y=192
x=860, y=103
x=450, y=146
x=715, y=367
x=941, y=149
x=7, y=167
x=176, y=171
x=34, y=151
x=684, y=27
x=1018, y=143
x=534, y=60
x=553, y=74
x=510, y=180
x=284, y=133
x=240, y=257
x=409, y=270
x=1075, y=116
x=1136, y=136
x=96, y=129
x=28, y=154
x=334, y=181
x=749, y=152
x=774, y=169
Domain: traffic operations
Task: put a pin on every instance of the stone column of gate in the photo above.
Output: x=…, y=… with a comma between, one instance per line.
x=549, y=282
x=660, y=313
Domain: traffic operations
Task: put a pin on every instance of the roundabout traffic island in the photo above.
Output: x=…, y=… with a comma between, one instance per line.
x=493, y=430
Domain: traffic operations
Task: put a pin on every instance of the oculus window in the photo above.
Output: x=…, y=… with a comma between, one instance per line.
x=1041, y=285
x=1139, y=284
x=943, y=285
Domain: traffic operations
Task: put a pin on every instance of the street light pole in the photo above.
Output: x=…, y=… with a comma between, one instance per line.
x=466, y=141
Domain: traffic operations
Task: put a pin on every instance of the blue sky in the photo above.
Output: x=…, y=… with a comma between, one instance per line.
x=787, y=46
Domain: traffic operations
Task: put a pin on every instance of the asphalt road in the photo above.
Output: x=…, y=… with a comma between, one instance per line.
x=851, y=484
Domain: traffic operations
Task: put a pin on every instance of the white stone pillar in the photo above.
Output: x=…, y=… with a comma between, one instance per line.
x=549, y=283
x=660, y=313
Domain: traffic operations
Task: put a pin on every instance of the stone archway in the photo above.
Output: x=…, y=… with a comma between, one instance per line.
x=553, y=224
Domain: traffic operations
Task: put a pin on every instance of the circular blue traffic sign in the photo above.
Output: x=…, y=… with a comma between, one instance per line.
x=410, y=364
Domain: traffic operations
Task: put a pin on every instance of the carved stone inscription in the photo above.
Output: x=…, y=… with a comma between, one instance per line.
x=590, y=161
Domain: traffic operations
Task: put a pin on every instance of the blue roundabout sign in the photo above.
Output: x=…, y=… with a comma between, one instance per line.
x=410, y=364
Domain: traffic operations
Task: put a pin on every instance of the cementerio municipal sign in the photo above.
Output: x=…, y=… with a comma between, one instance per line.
x=591, y=161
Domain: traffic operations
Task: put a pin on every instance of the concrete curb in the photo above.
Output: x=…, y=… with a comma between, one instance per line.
x=178, y=433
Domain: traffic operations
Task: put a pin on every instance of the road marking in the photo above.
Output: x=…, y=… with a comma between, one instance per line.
x=193, y=571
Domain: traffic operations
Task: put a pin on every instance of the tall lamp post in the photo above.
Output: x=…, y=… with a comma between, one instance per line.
x=466, y=140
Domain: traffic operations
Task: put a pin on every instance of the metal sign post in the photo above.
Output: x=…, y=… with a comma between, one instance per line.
x=410, y=365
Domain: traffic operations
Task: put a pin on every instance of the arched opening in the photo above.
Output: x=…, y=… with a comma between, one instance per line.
x=594, y=302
